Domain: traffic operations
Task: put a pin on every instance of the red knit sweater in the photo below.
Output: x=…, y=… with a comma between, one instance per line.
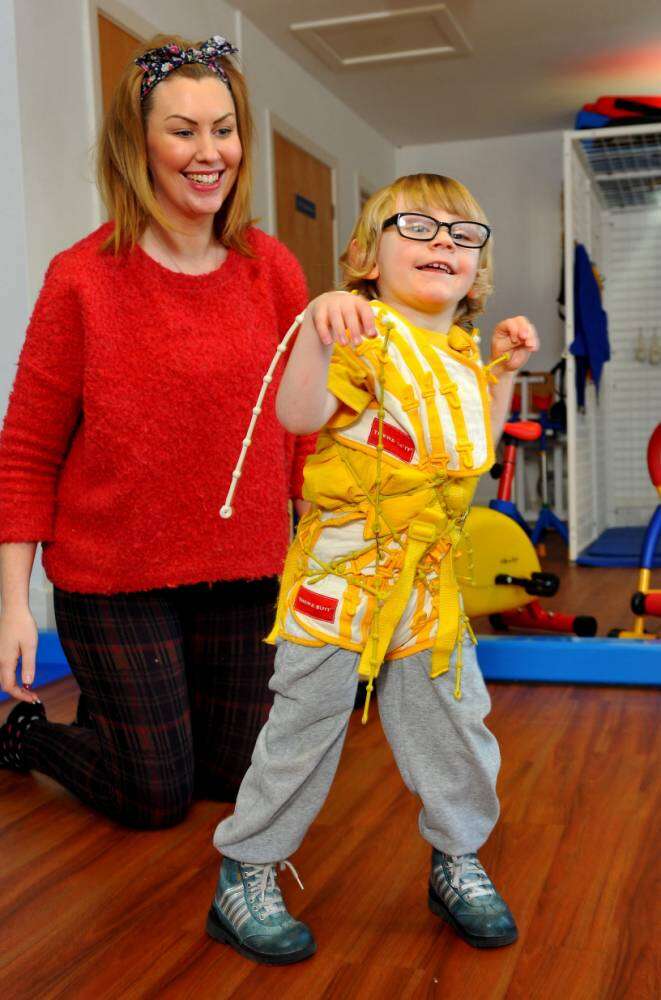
x=133, y=394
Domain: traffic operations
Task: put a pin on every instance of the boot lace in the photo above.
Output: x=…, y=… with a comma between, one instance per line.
x=262, y=887
x=469, y=877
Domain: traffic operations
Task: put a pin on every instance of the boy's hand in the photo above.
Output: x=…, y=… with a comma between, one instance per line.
x=301, y=507
x=516, y=336
x=342, y=318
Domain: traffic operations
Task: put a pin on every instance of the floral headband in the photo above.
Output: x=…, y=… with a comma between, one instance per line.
x=159, y=63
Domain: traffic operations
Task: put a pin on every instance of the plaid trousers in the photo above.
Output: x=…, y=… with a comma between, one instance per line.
x=176, y=684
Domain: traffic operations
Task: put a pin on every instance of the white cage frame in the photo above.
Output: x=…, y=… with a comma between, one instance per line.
x=611, y=177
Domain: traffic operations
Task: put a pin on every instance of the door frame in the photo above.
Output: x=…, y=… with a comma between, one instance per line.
x=128, y=20
x=363, y=186
x=274, y=123
x=124, y=18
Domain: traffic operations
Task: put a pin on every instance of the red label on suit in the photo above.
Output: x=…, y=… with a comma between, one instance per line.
x=395, y=441
x=316, y=605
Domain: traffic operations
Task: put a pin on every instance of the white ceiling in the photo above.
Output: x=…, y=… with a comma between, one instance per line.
x=533, y=64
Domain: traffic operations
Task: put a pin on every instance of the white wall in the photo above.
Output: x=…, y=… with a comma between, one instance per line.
x=50, y=107
x=517, y=180
x=284, y=96
x=13, y=252
x=51, y=111
x=60, y=107
x=14, y=290
x=59, y=103
x=56, y=109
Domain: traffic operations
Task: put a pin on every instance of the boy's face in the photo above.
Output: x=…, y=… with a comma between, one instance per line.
x=430, y=277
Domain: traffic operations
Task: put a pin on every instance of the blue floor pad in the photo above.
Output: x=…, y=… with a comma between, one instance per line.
x=567, y=659
x=548, y=658
x=617, y=547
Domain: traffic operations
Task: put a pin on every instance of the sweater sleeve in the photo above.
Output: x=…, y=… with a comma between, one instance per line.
x=44, y=406
x=292, y=293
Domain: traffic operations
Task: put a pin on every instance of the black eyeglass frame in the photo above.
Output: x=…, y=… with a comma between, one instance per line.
x=394, y=221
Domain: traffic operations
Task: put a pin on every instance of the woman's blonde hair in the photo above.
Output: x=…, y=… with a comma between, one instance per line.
x=419, y=192
x=122, y=170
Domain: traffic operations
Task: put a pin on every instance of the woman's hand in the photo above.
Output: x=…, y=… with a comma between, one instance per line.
x=341, y=317
x=516, y=336
x=18, y=637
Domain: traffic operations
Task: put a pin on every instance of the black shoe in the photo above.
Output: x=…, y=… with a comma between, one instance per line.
x=12, y=735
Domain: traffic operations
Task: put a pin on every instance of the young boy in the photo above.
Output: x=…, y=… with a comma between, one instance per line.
x=406, y=411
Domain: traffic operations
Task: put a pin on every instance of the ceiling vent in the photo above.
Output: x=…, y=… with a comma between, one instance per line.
x=384, y=36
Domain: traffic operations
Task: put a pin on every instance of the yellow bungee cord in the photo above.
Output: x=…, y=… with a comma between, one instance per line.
x=388, y=326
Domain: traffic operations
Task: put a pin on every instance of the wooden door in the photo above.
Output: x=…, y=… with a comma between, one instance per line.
x=116, y=49
x=305, y=212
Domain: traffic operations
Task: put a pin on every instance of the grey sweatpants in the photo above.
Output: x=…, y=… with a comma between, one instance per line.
x=445, y=753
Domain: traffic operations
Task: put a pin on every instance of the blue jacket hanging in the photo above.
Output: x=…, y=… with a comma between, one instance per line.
x=590, y=346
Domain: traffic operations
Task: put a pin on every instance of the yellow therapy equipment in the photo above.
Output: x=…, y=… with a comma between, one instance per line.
x=497, y=566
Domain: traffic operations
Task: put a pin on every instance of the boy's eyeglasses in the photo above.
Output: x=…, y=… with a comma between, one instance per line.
x=414, y=226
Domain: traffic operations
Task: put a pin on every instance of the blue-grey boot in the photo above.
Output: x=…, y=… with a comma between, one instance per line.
x=249, y=914
x=461, y=893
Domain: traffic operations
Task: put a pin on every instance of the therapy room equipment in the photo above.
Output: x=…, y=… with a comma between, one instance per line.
x=647, y=601
x=612, y=207
x=503, y=577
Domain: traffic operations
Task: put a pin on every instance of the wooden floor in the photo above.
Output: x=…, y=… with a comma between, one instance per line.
x=90, y=910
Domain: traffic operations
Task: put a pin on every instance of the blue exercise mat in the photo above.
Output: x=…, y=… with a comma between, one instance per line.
x=566, y=659
x=617, y=547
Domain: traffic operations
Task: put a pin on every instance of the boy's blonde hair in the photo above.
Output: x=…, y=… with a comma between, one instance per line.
x=419, y=192
x=122, y=171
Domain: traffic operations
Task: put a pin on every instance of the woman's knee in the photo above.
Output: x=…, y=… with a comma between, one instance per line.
x=155, y=804
x=153, y=813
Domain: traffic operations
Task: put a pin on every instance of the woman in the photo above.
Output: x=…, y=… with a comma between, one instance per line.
x=145, y=350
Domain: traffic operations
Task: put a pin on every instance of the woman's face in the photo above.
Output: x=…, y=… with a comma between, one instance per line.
x=193, y=146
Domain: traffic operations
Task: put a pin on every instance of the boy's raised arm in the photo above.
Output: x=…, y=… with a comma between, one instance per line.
x=517, y=338
x=304, y=403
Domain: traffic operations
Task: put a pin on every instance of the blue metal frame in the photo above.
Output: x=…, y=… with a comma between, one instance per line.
x=509, y=508
x=548, y=520
x=650, y=540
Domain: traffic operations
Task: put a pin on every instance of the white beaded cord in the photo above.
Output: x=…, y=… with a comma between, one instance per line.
x=226, y=510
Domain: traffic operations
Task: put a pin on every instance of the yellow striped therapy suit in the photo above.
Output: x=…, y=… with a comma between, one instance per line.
x=371, y=567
